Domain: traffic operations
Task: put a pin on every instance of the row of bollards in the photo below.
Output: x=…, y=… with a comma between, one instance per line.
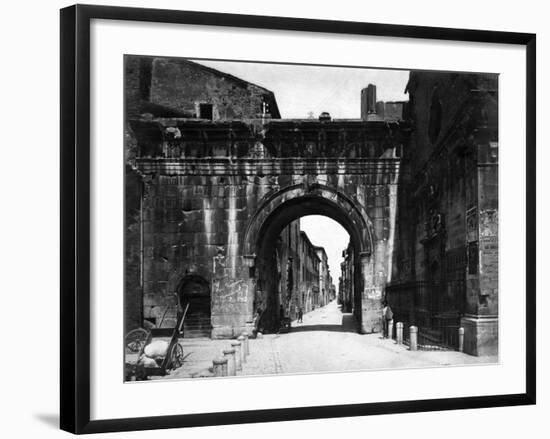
x=233, y=358
x=413, y=335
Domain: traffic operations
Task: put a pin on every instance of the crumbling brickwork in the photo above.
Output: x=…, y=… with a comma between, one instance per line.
x=176, y=87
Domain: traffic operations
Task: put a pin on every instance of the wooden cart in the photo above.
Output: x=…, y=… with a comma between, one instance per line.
x=138, y=339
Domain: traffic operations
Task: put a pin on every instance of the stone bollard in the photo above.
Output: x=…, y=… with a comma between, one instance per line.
x=460, y=339
x=390, y=329
x=246, y=344
x=399, y=332
x=243, y=349
x=220, y=367
x=231, y=367
x=414, y=338
x=237, y=346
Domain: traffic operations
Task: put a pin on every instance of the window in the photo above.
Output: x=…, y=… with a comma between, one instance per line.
x=206, y=111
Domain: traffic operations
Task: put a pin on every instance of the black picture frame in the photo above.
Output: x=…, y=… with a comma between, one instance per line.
x=75, y=217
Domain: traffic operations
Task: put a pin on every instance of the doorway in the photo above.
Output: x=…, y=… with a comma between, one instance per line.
x=195, y=292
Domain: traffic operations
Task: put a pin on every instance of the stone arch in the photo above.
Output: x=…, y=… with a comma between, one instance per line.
x=315, y=199
x=280, y=209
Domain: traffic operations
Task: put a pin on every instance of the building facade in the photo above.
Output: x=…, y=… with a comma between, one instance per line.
x=309, y=276
x=347, y=280
x=289, y=266
x=175, y=87
x=299, y=279
x=325, y=279
x=214, y=176
x=445, y=267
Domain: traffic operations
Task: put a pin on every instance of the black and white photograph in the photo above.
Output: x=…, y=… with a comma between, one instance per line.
x=275, y=219
x=297, y=219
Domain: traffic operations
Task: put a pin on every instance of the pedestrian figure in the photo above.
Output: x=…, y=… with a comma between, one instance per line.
x=256, y=321
x=387, y=317
x=300, y=315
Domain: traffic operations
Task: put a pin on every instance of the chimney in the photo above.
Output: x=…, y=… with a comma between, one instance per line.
x=368, y=101
x=381, y=108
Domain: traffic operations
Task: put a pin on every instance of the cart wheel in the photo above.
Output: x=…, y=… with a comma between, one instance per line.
x=176, y=356
x=135, y=340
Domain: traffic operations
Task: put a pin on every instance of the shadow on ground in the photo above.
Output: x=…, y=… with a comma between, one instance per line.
x=348, y=324
x=49, y=419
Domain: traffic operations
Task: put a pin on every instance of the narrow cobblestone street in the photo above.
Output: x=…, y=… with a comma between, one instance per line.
x=326, y=341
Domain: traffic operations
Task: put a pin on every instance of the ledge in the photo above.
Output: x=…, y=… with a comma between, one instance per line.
x=262, y=167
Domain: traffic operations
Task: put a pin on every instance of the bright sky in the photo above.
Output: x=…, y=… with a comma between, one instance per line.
x=303, y=89
x=325, y=232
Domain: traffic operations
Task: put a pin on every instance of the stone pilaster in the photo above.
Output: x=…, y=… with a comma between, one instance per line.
x=371, y=297
x=480, y=334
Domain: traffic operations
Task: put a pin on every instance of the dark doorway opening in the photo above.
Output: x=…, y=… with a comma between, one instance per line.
x=195, y=291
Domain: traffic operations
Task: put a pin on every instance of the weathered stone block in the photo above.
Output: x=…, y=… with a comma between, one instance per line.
x=480, y=335
x=371, y=315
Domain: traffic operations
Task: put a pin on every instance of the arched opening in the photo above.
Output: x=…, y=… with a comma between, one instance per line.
x=195, y=291
x=276, y=294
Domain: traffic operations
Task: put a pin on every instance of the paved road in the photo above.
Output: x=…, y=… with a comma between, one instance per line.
x=325, y=341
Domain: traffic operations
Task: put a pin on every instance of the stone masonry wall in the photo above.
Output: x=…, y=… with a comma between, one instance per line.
x=194, y=224
x=447, y=227
x=209, y=182
x=172, y=86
